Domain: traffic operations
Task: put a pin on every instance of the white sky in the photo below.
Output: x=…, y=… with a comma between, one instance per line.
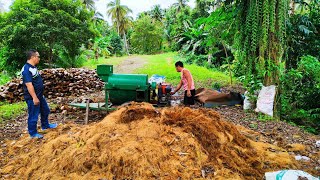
x=137, y=6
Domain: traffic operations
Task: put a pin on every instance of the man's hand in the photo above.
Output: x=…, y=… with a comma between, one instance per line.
x=32, y=93
x=189, y=93
x=36, y=101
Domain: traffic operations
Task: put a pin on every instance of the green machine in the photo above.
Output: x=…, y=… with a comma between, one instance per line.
x=121, y=88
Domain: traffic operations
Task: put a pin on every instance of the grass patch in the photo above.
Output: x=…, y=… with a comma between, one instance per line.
x=4, y=78
x=163, y=64
x=11, y=111
x=92, y=63
x=266, y=118
x=53, y=106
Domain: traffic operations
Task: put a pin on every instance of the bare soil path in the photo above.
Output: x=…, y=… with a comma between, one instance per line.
x=129, y=65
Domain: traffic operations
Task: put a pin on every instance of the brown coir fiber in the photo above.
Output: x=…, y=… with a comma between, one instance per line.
x=225, y=146
x=138, y=142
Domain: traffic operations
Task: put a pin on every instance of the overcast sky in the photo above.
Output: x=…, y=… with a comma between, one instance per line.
x=137, y=6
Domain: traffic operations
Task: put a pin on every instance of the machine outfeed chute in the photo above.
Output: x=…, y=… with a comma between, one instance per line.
x=122, y=88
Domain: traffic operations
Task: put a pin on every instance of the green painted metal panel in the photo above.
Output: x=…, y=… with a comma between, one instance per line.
x=120, y=96
x=153, y=85
x=104, y=71
x=122, y=88
x=129, y=79
x=125, y=87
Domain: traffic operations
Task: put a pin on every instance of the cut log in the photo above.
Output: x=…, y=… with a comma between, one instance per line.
x=58, y=83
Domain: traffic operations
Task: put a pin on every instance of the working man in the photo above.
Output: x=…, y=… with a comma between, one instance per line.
x=187, y=83
x=33, y=94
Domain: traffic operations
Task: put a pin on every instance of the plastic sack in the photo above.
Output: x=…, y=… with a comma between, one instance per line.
x=266, y=99
x=302, y=158
x=246, y=102
x=289, y=175
x=157, y=78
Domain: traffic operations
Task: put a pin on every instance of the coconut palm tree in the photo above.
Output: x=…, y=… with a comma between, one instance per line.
x=126, y=23
x=118, y=12
x=157, y=13
x=181, y=4
x=98, y=16
x=89, y=4
x=121, y=20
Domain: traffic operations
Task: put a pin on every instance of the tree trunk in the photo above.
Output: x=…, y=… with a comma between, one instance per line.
x=272, y=75
x=96, y=55
x=292, y=7
x=229, y=66
x=50, y=58
x=160, y=45
x=118, y=29
x=210, y=59
x=126, y=48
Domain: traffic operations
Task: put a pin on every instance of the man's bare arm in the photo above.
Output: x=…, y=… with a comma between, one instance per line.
x=32, y=93
x=188, y=77
x=178, y=87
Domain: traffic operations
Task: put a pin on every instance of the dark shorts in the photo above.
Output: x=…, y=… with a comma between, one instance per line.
x=189, y=100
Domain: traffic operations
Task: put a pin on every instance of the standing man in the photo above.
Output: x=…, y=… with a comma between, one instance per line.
x=187, y=83
x=33, y=94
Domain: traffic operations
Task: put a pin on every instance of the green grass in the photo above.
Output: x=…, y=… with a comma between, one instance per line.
x=163, y=64
x=11, y=111
x=92, y=63
x=53, y=105
x=4, y=78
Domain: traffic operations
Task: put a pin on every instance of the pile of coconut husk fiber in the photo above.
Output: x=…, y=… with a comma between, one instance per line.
x=140, y=142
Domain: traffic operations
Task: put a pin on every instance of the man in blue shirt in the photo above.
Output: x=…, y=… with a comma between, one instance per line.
x=33, y=94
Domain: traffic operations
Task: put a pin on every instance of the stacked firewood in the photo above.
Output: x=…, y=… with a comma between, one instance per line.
x=58, y=83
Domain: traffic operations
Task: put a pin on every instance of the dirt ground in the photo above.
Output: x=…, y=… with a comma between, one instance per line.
x=14, y=128
x=277, y=133
x=130, y=65
x=138, y=141
x=280, y=134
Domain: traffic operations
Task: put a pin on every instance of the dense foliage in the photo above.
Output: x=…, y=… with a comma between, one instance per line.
x=121, y=19
x=303, y=34
x=261, y=42
x=301, y=93
x=52, y=27
x=147, y=36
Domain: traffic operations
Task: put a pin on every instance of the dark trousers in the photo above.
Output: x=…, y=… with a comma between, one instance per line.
x=189, y=100
x=33, y=115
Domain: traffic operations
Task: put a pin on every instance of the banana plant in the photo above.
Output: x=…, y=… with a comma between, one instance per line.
x=101, y=47
x=219, y=26
x=192, y=38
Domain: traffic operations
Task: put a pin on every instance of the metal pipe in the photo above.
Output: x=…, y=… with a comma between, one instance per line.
x=87, y=112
